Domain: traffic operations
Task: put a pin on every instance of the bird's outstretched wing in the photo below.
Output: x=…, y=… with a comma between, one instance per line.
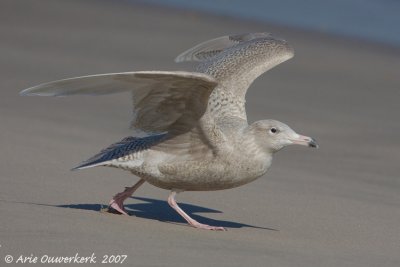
x=162, y=101
x=235, y=62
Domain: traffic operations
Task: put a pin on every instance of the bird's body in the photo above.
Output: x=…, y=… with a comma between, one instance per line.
x=229, y=167
x=197, y=137
x=236, y=162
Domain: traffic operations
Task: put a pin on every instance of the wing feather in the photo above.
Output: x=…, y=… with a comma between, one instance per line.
x=241, y=60
x=162, y=100
x=213, y=47
x=126, y=147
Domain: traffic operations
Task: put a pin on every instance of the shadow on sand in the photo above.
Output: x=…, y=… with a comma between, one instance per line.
x=159, y=210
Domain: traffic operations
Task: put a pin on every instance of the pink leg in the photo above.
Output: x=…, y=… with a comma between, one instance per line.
x=192, y=222
x=117, y=202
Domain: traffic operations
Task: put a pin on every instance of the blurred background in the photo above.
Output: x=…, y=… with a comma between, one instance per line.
x=373, y=20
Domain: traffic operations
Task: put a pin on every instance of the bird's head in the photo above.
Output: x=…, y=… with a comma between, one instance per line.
x=272, y=136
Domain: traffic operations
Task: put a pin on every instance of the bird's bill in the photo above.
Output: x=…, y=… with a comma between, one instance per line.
x=305, y=141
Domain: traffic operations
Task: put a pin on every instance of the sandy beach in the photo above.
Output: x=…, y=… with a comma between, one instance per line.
x=335, y=206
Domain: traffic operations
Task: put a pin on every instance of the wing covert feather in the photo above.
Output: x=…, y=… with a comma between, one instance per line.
x=208, y=49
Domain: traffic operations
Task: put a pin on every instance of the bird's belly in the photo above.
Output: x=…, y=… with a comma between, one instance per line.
x=206, y=176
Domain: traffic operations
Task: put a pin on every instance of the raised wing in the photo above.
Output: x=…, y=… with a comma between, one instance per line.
x=163, y=101
x=210, y=48
x=235, y=62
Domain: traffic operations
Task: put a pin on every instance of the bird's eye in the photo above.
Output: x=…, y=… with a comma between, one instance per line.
x=273, y=130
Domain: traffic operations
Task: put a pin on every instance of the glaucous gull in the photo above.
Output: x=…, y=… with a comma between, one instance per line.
x=197, y=137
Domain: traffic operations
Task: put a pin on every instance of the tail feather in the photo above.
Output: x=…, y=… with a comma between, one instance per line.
x=120, y=149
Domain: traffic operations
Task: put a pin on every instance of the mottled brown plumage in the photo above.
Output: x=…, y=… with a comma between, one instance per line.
x=196, y=135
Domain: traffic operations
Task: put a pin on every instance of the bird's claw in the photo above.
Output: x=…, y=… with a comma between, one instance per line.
x=115, y=205
x=208, y=227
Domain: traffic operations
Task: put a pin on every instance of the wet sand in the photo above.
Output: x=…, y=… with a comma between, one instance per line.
x=335, y=206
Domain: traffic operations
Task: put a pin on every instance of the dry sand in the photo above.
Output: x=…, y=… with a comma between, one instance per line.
x=336, y=206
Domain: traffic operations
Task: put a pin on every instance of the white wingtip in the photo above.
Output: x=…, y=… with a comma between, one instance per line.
x=31, y=92
x=26, y=92
x=182, y=58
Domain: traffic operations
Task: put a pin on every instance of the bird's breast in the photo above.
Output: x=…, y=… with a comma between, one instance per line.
x=207, y=175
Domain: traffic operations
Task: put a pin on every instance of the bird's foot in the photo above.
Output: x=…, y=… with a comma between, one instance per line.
x=117, y=202
x=207, y=227
x=191, y=221
x=117, y=205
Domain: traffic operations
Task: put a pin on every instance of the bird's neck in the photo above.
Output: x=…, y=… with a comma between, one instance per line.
x=254, y=152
